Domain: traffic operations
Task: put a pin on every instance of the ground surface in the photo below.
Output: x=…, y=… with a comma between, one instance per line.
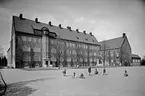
x=52, y=83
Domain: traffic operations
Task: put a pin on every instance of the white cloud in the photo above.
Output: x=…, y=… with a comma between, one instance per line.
x=79, y=20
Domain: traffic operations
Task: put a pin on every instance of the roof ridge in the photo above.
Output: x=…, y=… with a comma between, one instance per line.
x=111, y=39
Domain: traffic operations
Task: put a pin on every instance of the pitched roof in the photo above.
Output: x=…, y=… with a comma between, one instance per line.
x=27, y=26
x=112, y=43
x=135, y=56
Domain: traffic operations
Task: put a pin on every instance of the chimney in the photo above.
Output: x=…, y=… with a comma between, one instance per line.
x=77, y=30
x=60, y=26
x=91, y=34
x=84, y=32
x=21, y=16
x=36, y=20
x=49, y=23
x=124, y=35
x=68, y=27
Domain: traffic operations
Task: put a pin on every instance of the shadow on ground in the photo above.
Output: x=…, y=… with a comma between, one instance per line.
x=21, y=88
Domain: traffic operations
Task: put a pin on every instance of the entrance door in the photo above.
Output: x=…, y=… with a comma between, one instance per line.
x=46, y=63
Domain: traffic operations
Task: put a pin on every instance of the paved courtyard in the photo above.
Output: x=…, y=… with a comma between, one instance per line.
x=52, y=83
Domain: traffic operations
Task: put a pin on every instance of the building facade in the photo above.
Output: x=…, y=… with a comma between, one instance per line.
x=117, y=52
x=36, y=44
x=136, y=60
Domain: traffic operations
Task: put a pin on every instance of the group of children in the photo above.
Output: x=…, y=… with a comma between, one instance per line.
x=89, y=71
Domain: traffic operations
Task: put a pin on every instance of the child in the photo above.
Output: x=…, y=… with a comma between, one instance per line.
x=74, y=75
x=125, y=74
x=64, y=72
x=89, y=70
x=104, y=71
x=82, y=76
x=96, y=71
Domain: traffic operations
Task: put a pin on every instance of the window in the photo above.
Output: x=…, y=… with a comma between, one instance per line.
x=23, y=38
x=67, y=44
x=39, y=40
x=73, y=45
x=26, y=58
x=61, y=43
x=81, y=59
x=53, y=50
x=37, y=58
x=26, y=48
x=34, y=39
x=90, y=54
x=29, y=39
x=95, y=53
x=36, y=49
x=73, y=52
x=91, y=59
x=111, y=53
x=67, y=51
x=52, y=41
x=95, y=59
x=70, y=52
x=86, y=59
x=70, y=44
x=68, y=59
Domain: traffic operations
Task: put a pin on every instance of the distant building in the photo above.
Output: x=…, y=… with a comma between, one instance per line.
x=136, y=60
x=36, y=44
x=9, y=57
x=117, y=51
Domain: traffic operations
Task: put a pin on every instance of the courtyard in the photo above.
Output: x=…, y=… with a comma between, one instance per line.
x=52, y=82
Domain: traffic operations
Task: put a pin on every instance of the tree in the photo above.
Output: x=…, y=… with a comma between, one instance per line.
x=59, y=52
x=21, y=53
x=0, y=61
x=142, y=62
x=1, y=51
x=32, y=46
x=79, y=54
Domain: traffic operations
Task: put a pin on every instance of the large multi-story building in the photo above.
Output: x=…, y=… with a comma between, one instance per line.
x=36, y=44
x=117, y=51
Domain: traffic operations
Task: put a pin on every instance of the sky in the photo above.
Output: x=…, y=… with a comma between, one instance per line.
x=106, y=19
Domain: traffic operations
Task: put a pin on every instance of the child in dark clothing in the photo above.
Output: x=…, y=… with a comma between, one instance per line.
x=125, y=74
x=74, y=75
x=96, y=71
x=64, y=72
x=82, y=76
x=104, y=71
x=89, y=70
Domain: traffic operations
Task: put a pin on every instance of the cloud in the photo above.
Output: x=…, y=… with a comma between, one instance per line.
x=79, y=20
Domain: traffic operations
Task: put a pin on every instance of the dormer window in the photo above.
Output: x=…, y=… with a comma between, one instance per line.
x=86, y=39
x=77, y=37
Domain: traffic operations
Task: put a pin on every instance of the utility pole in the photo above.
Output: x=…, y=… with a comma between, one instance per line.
x=104, y=53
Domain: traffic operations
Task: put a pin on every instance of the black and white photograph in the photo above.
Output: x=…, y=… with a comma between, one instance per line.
x=72, y=47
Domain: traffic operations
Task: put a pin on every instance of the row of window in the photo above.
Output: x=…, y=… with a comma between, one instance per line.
x=27, y=48
x=53, y=58
x=94, y=47
x=136, y=61
x=70, y=44
x=53, y=50
x=110, y=53
x=31, y=39
x=28, y=58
